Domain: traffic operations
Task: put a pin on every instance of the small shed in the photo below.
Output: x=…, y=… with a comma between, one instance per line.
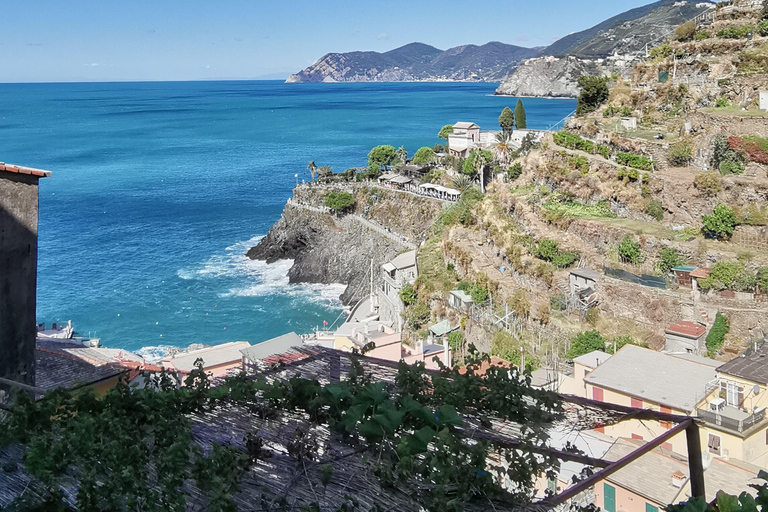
x=629, y=123
x=764, y=100
x=685, y=337
x=460, y=301
x=441, y=329
x=683, y=275
x=583, y=278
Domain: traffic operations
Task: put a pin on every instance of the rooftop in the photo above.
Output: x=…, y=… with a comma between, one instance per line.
x=18, y=169
x=462, y=295
x=650, y=476
x=441, y=328
x=593, y=359
x=276, y=346
x=405, y=260
x=753, y=367
x=464, y=125
x=655, y=377
x=586, y=273
x=700, y=273
x=211, y=356
x=688, y=329
x=684, y=268
x=57, y=369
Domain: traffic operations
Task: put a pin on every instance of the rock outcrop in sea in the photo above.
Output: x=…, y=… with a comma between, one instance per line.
x=328, y=249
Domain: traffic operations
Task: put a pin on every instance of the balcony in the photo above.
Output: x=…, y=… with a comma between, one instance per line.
x=732, y=418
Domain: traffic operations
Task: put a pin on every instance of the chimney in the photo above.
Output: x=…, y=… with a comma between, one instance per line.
x=18, y=279
x=678, y=479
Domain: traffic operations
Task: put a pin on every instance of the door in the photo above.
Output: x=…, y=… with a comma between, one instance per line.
x=609, y=498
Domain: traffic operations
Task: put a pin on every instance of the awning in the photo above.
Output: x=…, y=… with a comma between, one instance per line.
x=389, y=267
x=401, y=180
x=441, y=329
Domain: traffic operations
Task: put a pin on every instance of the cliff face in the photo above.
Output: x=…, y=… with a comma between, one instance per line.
x=339, y=249
x=550, y=77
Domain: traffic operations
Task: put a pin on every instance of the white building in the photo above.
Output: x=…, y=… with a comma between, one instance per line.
x=395, y=275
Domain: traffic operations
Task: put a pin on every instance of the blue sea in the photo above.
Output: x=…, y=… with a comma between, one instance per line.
x=159, y=189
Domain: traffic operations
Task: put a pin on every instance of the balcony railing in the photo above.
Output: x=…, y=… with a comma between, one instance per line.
x=732, y=418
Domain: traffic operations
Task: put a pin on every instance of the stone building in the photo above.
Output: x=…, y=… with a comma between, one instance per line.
x=18, y=279
x=395, y=275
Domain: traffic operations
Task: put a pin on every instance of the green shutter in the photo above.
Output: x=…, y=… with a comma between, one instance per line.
x=651, y=508
x=609, y=498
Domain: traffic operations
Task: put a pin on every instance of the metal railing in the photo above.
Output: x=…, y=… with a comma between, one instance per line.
x=722, y=420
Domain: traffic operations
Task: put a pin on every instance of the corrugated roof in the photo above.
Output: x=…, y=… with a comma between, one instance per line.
x=275, y=346
x=463, y=296
x=700, y=273
x=211, y=356
x=441, y=328
x=653, y=376
x=18, y=169
x=753, y=367
x=687, y=329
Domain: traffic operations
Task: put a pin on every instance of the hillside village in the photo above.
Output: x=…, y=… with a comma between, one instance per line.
x=613, y=273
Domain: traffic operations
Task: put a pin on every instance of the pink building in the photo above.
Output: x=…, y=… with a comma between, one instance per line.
x=218, y=361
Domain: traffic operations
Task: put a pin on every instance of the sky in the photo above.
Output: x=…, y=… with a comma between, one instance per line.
x=108, y=40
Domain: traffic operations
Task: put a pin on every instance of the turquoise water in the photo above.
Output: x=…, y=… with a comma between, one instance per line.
x=158, y=190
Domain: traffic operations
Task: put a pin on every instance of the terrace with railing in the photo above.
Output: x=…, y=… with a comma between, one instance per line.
x=732, y=418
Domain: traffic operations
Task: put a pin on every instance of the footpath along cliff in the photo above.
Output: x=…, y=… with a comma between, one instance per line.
x=328, y=248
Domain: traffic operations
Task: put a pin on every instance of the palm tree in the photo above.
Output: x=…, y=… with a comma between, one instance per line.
x=503, y=146
x=312, y=169
x=461, y=182
x=402, y=154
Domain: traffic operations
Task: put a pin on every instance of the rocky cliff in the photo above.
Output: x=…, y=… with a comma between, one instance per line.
x=329, y=249
x=551, y=77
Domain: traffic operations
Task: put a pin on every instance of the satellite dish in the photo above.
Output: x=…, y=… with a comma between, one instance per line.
x=756, y=389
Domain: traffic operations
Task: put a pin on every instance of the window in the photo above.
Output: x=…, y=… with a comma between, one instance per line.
x=597, y=394
x=734, y=394
x=651, y=508
x=609, y=498
x=713, y=443
x=636, y=403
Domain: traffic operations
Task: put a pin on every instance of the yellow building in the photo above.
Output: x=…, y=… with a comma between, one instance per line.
x=730, y=399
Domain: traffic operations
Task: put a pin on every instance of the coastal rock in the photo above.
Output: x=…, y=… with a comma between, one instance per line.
x=550, y=77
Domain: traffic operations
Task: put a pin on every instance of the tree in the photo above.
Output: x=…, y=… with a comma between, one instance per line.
x=456, y=340
x=594, y=92
x=520, y=304
x=324, y=171
x=402, y=154
x=312, y=169
x=721, y=224
x=586, y=342
x=408, y=295
x=716, y=336
x=424, y=156
x=507, y=120
x=381, y=157
x=445, y=131
x=339, y=201
x=461, y=182
x=547, y=249
x=503, y=146
x=520, y=115
x=515, y=171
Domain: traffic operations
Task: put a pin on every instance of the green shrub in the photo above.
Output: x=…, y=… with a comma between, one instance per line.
x=339, y=201
x=547, y=249
x=721, y=223
x=594, y=92
x=646, y=178
x=709, y=182
x=736, y=32
x=656, y=210
x=762, y=28
x=564, y=259
x=724, y=276
x=558, y=302
x=635, y=161
x=700, y=36
x=418, y=315
x=680, y=154
x=731, y=167
x=661, y=52
x=586, y=342
x=716, y=336
x=479, y=294
x=625, y=111
x=456, y=340
x=424, y=156
x=722, y=102
x=629, y=251
x=408, y=295
x=669, y=258
x=515, y=171
x=761, y=280
x=685, y=31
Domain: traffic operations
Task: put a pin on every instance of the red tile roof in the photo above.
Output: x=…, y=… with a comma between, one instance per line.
x=24, y=170
x=690, y=329
x=700, y=273
x=485, y=366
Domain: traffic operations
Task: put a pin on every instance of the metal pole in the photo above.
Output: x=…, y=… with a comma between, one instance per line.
x=695, y=464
